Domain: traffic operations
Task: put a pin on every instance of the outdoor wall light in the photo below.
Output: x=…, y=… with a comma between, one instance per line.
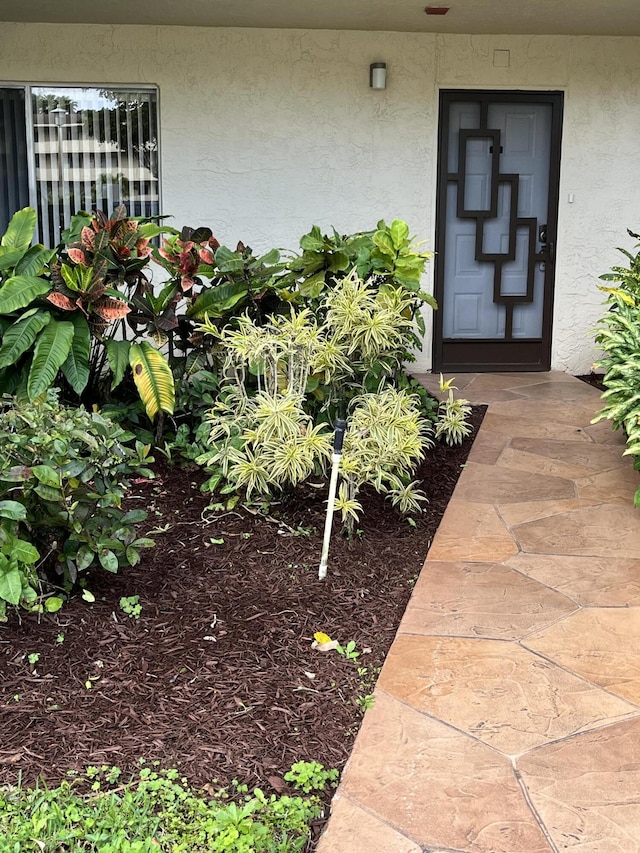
x=378, y=75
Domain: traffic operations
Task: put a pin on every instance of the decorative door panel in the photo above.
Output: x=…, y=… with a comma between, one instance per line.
x=497, y=213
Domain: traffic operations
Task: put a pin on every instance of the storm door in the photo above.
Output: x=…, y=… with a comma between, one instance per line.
x=499, y=162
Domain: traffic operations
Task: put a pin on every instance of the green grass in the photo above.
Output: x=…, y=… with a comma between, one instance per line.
x=152, y=812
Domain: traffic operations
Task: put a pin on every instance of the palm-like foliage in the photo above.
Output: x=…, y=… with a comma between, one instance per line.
x=266, y=439
x=386, y=439
x=453, y=413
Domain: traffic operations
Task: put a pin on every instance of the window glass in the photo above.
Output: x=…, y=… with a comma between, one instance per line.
x=14, y=174
x=93, y=148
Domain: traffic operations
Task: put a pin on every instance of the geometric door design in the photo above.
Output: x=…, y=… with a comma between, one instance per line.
x=496, y=226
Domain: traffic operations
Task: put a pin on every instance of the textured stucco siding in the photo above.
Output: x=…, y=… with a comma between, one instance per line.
x=265, y=132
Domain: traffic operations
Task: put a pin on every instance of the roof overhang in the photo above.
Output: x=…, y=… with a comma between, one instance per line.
x=553, y=17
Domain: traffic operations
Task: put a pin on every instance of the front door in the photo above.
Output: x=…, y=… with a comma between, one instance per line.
x=499, y=163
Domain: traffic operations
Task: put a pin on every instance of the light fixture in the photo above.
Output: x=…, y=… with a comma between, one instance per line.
x=59, y=114
x=378, y=75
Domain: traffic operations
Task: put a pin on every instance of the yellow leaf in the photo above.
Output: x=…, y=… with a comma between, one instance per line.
x=323, y=643
x=153, y=378
x=321, y=638
x=446, y=385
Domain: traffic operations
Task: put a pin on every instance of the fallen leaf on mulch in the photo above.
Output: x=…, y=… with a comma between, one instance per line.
x=278, y=784
x=323, y=642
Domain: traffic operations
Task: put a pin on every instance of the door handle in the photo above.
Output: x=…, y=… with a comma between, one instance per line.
x=547, y=247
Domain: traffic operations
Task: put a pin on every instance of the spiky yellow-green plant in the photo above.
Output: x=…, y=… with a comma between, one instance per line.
x=385, y=441
x=266, y=439
x=281, y=446
x=453, y=414
x=279, y=354
x=374, y=324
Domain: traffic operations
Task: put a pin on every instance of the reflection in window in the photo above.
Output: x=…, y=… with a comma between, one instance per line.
x=92, y=149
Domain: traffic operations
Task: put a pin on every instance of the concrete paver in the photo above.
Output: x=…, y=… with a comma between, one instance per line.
x=590, y=581
x=507, y=714
x=437, y=786
x=600, y=644
x=585, y=789
x=485, y=539
x=502, y=694
x=596, y=531
x=487, y=600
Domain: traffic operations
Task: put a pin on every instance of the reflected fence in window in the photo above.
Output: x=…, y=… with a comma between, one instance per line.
x=77, y=148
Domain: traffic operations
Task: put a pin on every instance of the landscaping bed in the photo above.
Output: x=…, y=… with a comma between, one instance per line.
x=214, y=673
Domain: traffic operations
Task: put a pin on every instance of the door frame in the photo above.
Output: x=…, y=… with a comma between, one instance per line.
x=462, y=355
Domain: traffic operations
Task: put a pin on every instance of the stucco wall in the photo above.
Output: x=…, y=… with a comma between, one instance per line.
x=265, y=132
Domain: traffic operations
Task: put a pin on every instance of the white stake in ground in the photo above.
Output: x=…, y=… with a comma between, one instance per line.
x=338, y=438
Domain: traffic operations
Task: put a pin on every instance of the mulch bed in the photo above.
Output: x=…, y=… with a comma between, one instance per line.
x=217, y=676
x=594, y=379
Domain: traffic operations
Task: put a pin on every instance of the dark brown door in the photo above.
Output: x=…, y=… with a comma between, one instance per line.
x=497, y=207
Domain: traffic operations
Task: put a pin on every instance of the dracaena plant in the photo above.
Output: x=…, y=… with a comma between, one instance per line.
x=268, y=429
x=358, y=345
x=263, y=439
x=452, y=421
x=375, y=326
x=387, y=438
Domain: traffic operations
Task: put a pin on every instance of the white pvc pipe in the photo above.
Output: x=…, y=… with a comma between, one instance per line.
x=333, y=483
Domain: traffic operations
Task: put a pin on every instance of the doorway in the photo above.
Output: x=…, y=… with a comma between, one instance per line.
x=496, y=226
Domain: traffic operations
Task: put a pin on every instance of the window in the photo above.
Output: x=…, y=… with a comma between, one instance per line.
x=77, y=148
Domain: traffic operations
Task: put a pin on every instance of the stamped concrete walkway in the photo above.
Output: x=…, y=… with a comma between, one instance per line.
x=507, y=714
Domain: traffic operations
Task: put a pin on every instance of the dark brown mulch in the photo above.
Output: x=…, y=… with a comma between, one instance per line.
x=594, y=379
x=217, y=677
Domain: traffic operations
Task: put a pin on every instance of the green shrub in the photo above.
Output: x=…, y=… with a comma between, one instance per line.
x=386, y=255
x=618, y=335
x=18, y=558
x=310, y=776
x=68, y=470
x=156, y=811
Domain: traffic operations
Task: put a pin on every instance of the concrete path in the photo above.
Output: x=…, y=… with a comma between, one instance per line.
x=507, y=714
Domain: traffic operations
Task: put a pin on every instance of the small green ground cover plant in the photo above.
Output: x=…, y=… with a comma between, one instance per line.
x=156, y=810
x=130, y=604
x=618, y=335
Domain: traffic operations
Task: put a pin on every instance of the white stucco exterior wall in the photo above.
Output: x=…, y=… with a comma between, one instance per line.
x=266, y=132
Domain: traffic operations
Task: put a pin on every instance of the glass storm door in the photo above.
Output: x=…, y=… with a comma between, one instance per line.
x=499, y=161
